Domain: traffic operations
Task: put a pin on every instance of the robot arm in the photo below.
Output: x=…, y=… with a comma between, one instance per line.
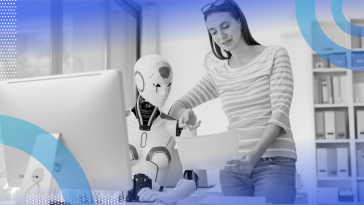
x=183, y=189
x=190, y=174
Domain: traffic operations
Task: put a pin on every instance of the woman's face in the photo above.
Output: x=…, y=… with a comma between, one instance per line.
x=224, y=29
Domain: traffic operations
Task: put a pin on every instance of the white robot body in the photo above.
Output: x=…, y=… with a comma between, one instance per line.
x=151, y=151
x=151, y=133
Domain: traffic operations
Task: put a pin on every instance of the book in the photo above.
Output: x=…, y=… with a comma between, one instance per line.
x=320, y=92
x=360, y=124
x=322, y=163
x=320, y=125
x=362, y=41
x=315, y=90
x=343, y=89
x=325, y=93
x=341, y=124
x=329, y=89
x=358, y=92
x=342, y=162
x=359, y=162
x=336, y=89
x=361, y=191
x=330, y=130
x=361, y=92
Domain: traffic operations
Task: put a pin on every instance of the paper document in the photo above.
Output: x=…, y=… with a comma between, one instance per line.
x=208, y=151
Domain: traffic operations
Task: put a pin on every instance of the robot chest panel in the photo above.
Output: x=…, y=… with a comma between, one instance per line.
x=151, y=149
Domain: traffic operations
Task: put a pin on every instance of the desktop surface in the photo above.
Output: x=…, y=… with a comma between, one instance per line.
x=301, y=194
x=199, y=200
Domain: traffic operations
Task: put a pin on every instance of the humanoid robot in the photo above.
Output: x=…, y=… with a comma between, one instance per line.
x=151, y=135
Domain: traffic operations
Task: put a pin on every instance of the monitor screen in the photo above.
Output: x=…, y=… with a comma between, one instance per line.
x=88, y=110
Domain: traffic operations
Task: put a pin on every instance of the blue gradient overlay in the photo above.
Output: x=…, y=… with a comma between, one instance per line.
x=22, y=135
x=181, y=18
x=342, y=22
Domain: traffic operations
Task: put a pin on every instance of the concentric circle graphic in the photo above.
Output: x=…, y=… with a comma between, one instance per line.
x=342, y=22
x=306, y=18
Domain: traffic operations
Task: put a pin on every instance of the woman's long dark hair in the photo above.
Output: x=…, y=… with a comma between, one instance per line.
x=235, y=11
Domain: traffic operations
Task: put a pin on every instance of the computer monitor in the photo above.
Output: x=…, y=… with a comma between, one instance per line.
x=88, y=110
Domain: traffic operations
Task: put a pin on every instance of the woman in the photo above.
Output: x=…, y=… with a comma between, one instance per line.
x=255, y=84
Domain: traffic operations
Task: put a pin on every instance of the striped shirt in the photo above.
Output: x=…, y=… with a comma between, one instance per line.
x=252, y=96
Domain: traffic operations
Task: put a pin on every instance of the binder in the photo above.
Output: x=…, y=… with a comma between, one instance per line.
x=330, y=125
x=360, y=123
x=362, y=44
x=325, y=94
x=336, y=91
x=355, y=92
x=341, y=124
x=327, y=195
x=359, y=163
x=332, y=165
x=320, y=92
x=361, y=85
x=320, y=126
x=342, y=162
x=343, y=89
x=358, y=93
x=329, y=89
x=316, y=92
x=322, y=162
x=361, y=191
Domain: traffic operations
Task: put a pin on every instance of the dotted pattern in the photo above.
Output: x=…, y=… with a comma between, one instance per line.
x=7, y=40
x=75, y=199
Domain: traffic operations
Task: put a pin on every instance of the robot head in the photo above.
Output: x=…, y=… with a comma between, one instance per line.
x=153, y=78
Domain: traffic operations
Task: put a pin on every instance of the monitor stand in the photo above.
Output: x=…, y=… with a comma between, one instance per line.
x=37, y=180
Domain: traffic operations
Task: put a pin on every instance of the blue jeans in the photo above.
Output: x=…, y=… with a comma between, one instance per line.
x=273, y=178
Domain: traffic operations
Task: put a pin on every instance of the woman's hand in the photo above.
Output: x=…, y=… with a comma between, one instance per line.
x=146, y=194
x=188, y=119
x=246, y=163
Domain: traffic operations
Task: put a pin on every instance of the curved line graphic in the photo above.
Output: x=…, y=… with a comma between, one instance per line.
x=22, y=135
x=342, y=22
x=306, y=18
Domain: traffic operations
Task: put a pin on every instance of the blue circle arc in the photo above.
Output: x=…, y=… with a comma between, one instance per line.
x=342, y=22
x=307, y=19
x=22, y=135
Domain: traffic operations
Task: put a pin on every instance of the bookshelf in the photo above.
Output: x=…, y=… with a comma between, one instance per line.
x=346, y=99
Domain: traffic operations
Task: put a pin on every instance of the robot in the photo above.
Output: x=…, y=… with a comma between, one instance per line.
x=151, y=132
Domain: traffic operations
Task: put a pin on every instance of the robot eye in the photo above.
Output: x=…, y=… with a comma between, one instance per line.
x=156, y=87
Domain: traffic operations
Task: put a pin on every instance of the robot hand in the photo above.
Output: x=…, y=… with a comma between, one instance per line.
x=188, y=119
x=140, y=182
x=146, y=194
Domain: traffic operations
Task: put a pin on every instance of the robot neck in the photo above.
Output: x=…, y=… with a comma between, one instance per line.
x=145, y=112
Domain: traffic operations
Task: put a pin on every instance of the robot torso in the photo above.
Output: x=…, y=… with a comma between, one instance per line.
x=151, y=151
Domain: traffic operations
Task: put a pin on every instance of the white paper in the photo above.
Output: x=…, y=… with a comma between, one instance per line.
x=208, y=151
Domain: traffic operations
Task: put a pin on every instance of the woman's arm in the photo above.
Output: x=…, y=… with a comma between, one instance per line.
x=177, y=110
x=270, y=133
x=187, y=117
x=202, y=92
x=281, y=94
x=248, y=160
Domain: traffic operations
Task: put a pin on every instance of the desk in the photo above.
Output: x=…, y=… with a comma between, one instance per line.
x=301, y=193
x=192, y=200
